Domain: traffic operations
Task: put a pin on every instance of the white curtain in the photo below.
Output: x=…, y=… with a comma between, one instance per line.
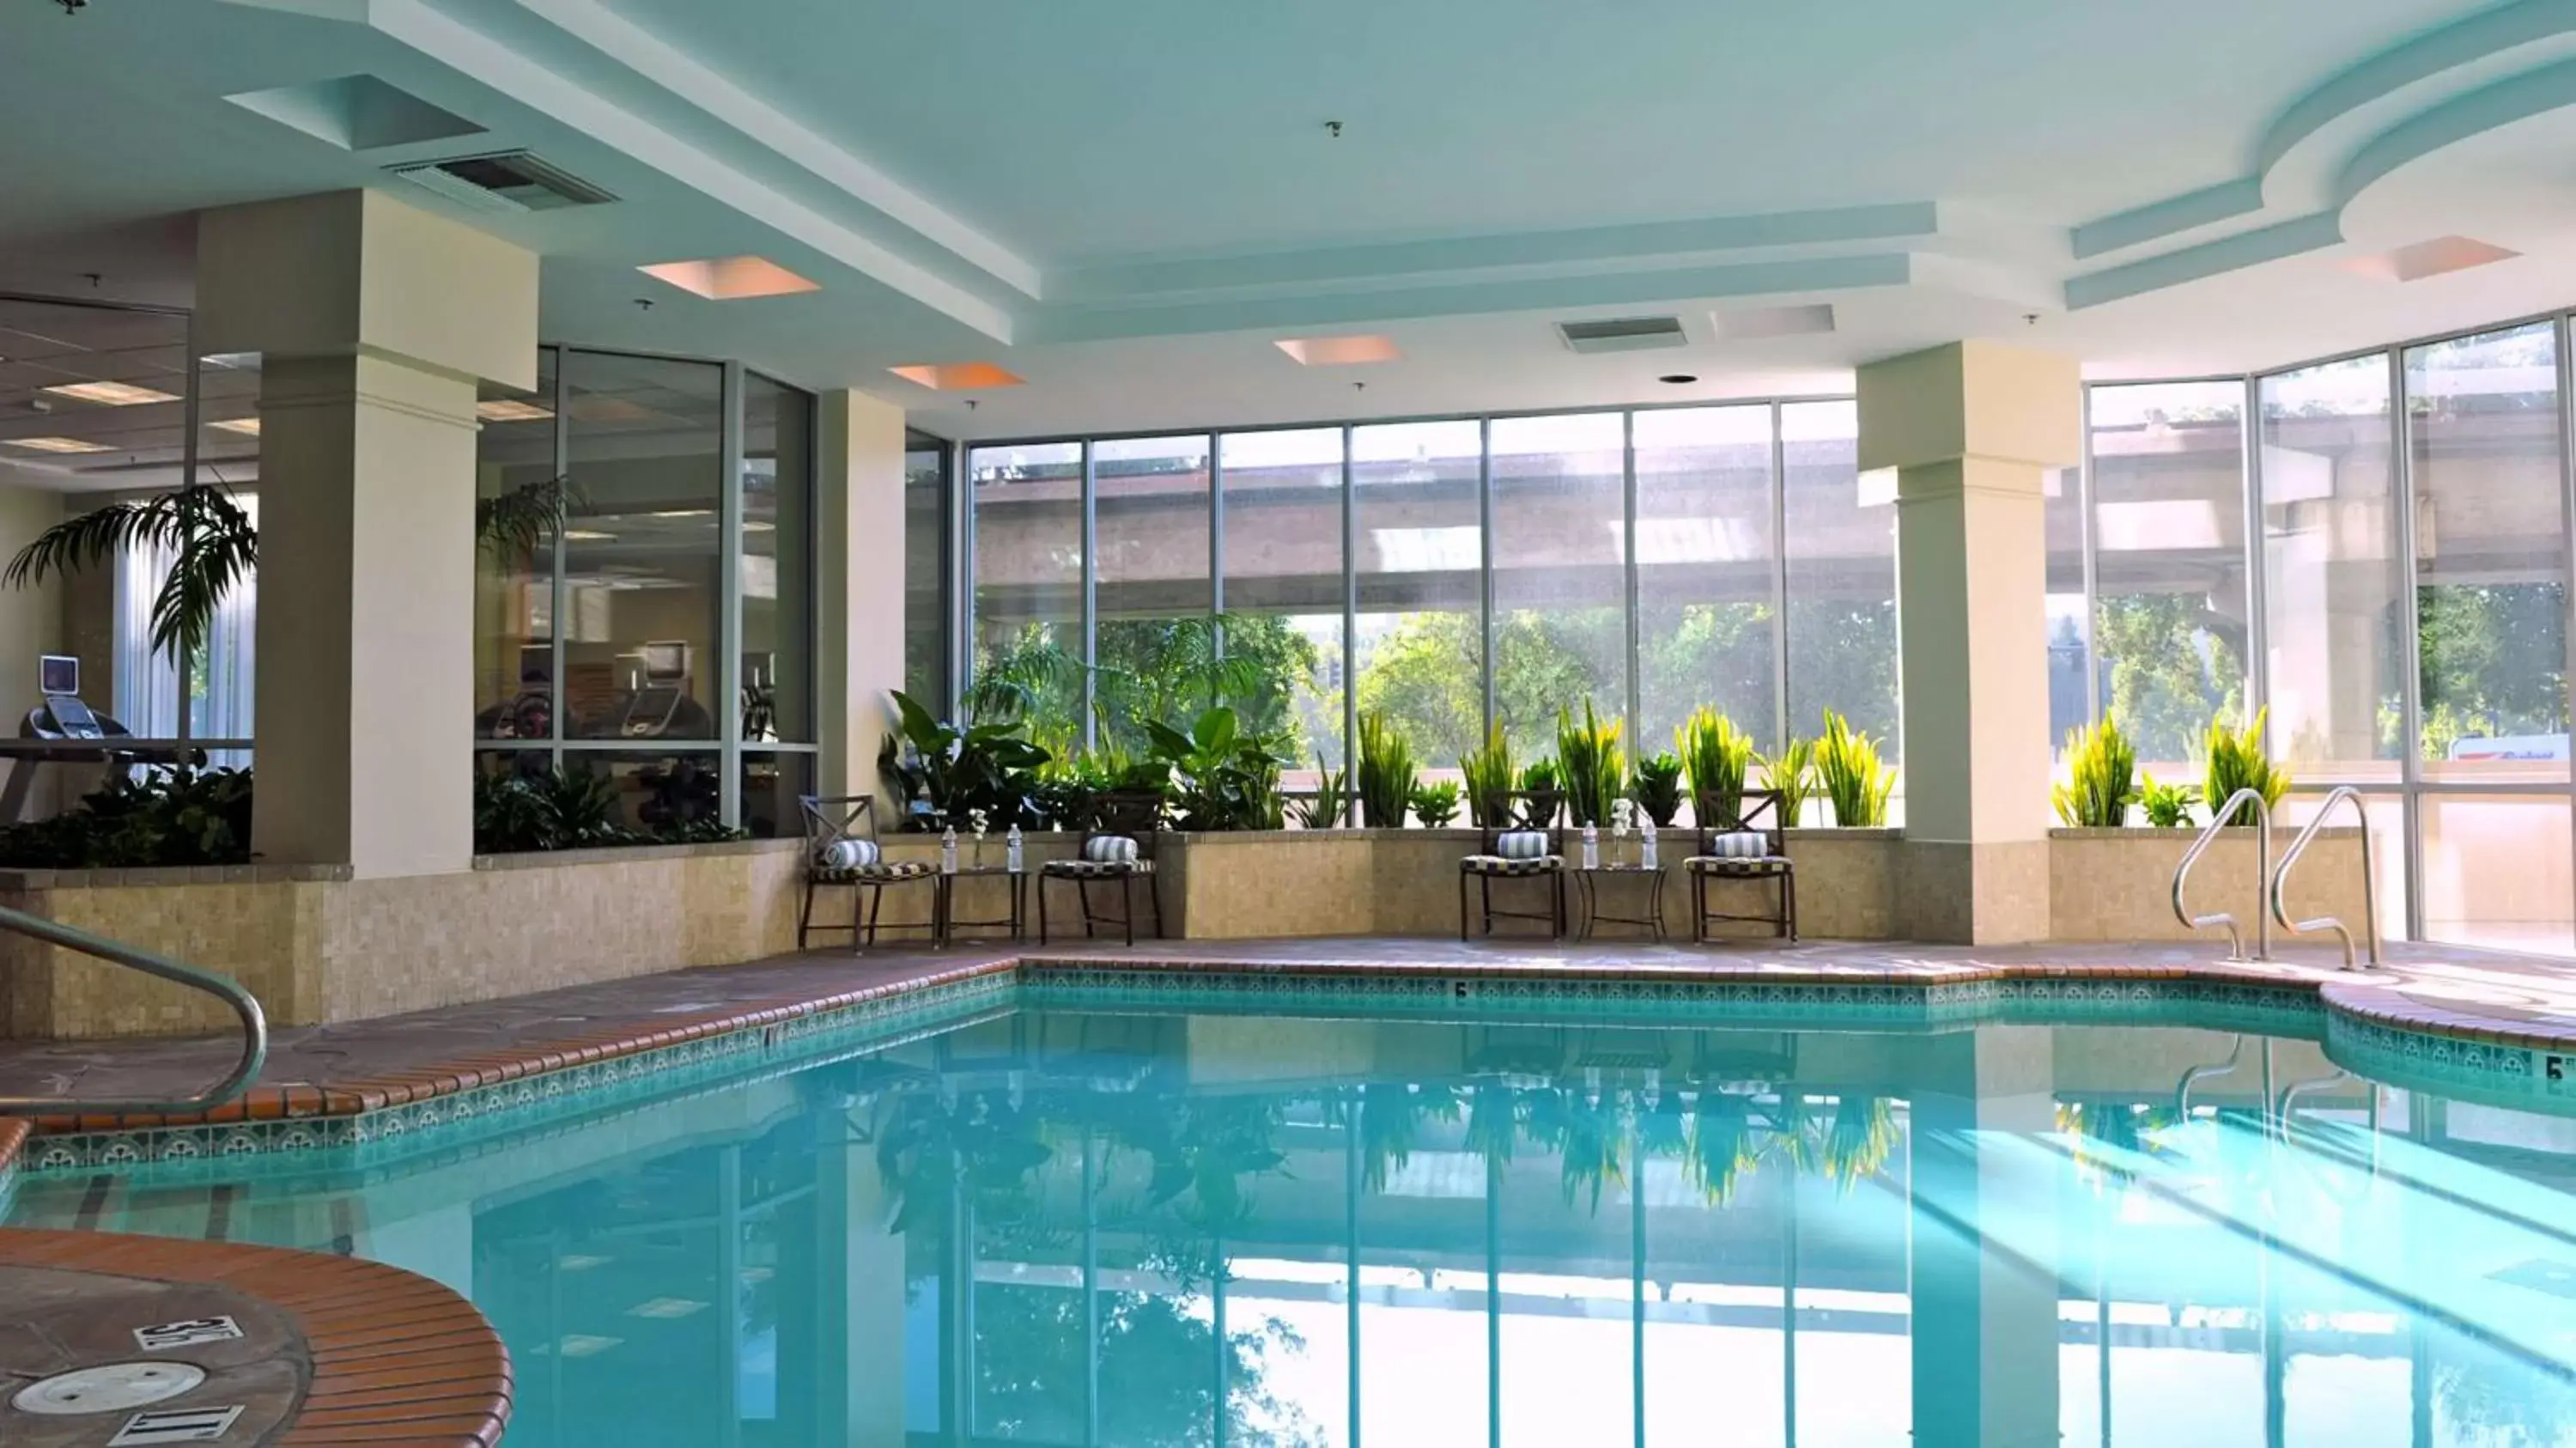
x=146, y=700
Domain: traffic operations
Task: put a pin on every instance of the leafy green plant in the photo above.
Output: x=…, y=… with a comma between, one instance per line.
x=1543, y=793
x=1792, y=772
x=1435, y=804
x=1222, y=777
x=2101, y=777
x=1850, y=776
x=1594, y=766
x=2233, y=759
x=1658, y=787
x=573, y=809
x=1489, y=780
x=166, y=817
x=2167, y=806
x=1331, y=802
x=1715, y=758
x=1387, y=774
x=941, y=772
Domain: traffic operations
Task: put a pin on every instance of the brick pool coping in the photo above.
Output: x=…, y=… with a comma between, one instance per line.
x=394, y=1359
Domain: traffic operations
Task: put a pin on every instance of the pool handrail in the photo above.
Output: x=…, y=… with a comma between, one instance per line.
x=2219, y=820
x=245, y=1006
x=2194, y=1076
x=2279, y=907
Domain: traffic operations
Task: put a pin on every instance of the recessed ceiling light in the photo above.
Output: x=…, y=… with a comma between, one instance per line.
x=666, y=1308
x=246, y=426
x=578, y=1262
x=754, y=525
x=55, y=444
x=1678, y=379
x=583, y=1344
x=112, y=394
x=1339, y=351
x=731, y=278
x=2433, y=258
x=958, y=376
x=588, y=535
x=683, y=513
x=510, y=409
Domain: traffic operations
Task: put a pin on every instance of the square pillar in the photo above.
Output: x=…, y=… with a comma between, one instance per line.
x=858, y=559
x=373, y=323
x=1971, y=429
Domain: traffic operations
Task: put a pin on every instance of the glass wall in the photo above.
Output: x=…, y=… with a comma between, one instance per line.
x=1281, y=543
x=662, y=638
x=1418, y=566
x=929, y=483
x=1707, y=613
x=1030, y=623
x=1154, y=644
x=1841, y=572
x=1560, y=556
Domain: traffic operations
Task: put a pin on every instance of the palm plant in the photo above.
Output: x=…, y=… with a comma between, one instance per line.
x=2101, y=769
x=1387, y=775
x=1850, y=776
x=1715, y=758
x=1594, y=766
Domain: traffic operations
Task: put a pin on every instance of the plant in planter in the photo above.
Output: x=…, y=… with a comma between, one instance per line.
x=1489, y=780
x=2234, y=760
x=940, y=772
x=1594, y=767
x=166, y=817
x=1658, y=787
x=1435, y=804
x=1387, y=774
x=1222, y=778
x=556, y=809
x=1542, y=793
x=1331, y=802
x=1716, y=756
x=1850, y=776
x=2101, y=777
x=1792, y=772
x=2167, y=806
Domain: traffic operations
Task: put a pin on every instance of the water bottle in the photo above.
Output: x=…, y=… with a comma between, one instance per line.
x=1648, y=855
x=948, y=851
x=1012, y=851
x=1592, y=847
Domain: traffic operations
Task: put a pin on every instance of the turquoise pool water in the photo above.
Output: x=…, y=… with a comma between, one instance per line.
x=1126, y=1225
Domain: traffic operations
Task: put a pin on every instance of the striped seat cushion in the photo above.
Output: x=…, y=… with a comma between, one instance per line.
x=846, y=854
x=1109, y=850
x=1521, y=844
x=1095, y=869
x=1506, y=865
x=1717, y=865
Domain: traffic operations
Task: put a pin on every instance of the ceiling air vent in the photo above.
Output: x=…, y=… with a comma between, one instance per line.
x=507, y=181
x=1623, y=334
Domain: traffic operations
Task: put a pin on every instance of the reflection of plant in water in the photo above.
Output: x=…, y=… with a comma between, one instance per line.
x=1202, y=1149
x=1493, y=1123
x=1156, y=1372
x=1721, y=1147
x=1391, y=1120
x=936, y=1142
x=2106, y=1132
x=1861, y=1139
x=1662, y=1129
x=1584, y=1130
x=2492, y=1401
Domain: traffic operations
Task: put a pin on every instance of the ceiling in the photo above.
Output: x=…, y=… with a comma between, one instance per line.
x=1130, y=215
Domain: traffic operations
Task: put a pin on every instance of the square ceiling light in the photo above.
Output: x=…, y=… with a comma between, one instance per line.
x=510, y=409
x=2441, y=255
x=731, y=278
x=246, y=426
x=959, y=376
x=111, y=394
x=55, y=444
x=1340, y=351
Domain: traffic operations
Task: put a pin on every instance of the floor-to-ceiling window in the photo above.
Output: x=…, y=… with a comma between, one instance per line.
x=1283, y=580
x=1029, y=618
x=1155, y=650
x=929, y=482
x=1707, y=606
x=1841, y=566
x=1560, y=636
x=1418, y=561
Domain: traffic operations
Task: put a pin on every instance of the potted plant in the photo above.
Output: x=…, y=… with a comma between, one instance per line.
x=1387, y=774
x=1716, y=756
x=1542, y=794
x=2234, y=761
x=1792, y=772
x=1435, y=804
x=2167, y=806
x=2101, y=769
x=1850, y=776
x=1658, y=788
x=1591, y=765
x=1330, y=804
x=1489, y=780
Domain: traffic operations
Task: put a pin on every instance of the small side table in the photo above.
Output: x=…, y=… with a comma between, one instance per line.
x=1590, y=914
x=946, y=905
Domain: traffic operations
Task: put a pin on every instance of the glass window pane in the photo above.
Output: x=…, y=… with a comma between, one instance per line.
x=2069, y=630
x=926, y=462
x=1028, y=588
x=1283, y=584
x=777, y=562
x=514, y=590
x=656, y=793
x=1842, y=578
x=770, y=786
x=2332, y=583
x=2496, y=872
x=640, y=557
x=2490, y=555
x=1154, y=651
x=1560, y=573
x=1704, y=607
x=1418, y=536
x=2169, y=616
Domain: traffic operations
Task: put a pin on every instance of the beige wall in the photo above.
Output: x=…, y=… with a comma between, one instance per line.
x=858, y=651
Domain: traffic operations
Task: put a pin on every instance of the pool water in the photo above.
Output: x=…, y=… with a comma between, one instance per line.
x=1144, y=1227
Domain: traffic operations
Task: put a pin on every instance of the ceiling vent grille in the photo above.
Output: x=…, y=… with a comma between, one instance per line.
x=505, y=181
x=1623, y=334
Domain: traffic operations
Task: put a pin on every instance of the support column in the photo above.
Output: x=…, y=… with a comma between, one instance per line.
x=373, y=323
x=859, y=582
x=1971, y=429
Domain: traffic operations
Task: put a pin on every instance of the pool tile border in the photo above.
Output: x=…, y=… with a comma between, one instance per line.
x=444, y=1382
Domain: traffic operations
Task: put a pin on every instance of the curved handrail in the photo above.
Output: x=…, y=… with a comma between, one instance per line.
x=254, y=1022
x=2218, y=821
x=2290, y=1094
x=2194, y=1076
x=2369, y=879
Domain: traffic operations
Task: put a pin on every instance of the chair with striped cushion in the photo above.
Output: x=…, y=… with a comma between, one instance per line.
x=1118, y=847
x=1513, y=851
x=841, y=851
x=1745, y=845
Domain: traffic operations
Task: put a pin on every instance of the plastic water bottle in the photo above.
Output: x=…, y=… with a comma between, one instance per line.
x=1649, y=855
x=948, y=851
x=1592, y=847
x=1013, y=851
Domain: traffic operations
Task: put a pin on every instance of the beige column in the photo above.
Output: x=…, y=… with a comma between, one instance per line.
x=1970, y=429
x=858, y=575
x=373, y=323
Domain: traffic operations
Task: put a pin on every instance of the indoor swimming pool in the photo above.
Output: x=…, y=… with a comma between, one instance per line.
x=1078, y=1216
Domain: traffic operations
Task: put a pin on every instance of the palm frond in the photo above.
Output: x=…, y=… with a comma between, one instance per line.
x=93, y=538
x=525, y=518
x=213, y=543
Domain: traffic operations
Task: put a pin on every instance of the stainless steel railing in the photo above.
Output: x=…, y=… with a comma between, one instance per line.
x=2218, y=821
x=2279, y=910
x=254, y=1023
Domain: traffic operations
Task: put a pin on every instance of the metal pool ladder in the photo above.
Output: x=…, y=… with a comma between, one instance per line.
x=2341, y=794
x=2218, y=821
x=254, y=1023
